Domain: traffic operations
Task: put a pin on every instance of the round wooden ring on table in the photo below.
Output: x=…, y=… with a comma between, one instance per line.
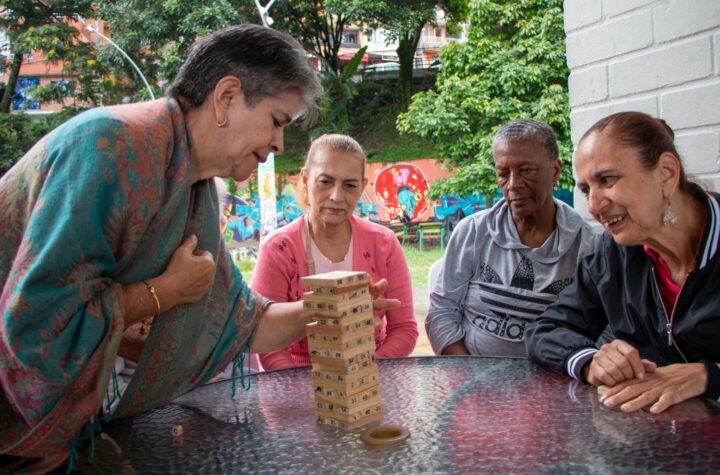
x=385, y=435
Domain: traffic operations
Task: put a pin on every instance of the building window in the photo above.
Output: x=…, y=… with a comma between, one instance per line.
x=350, y=37
x=23, y=100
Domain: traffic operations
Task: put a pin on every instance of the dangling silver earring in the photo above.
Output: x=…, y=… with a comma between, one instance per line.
x=669, y=217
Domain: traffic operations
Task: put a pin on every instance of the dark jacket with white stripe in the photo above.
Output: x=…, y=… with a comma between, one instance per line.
x=492, y=285
x=617, y=285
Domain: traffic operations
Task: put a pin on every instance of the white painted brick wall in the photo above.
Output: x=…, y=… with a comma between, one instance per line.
x=591, y=84
x=679, y=18
x=613, y=8
x=582, y=13
x=694, y=106
x=609, y=39
x=649, y=70
x=716, y=56
x=704, y=147
x=661, y=57
x=583, y=118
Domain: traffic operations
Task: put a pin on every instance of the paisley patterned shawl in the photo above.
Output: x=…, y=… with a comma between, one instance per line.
x=104, y=201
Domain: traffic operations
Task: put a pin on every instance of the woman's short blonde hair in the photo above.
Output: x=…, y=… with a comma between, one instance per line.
x=332, y=143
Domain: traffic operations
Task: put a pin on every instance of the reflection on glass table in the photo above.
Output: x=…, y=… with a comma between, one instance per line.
x=464, y=415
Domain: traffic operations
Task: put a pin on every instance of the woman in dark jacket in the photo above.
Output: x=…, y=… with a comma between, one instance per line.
x=654, y=277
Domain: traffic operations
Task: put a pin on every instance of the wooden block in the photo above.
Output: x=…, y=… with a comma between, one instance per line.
x=337, y=279
x=350, y=425
x=338, y=298
x=344, y=309
x=363, y=413
x=342, y=386
x=341, y=360
x=342, y=357
x=349, y=369
x=339, y=342
x=352, y=414
x=347, y=405
x=330, y=291
x=345, y=324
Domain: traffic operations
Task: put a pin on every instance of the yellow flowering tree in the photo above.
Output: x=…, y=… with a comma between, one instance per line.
x=45, y=26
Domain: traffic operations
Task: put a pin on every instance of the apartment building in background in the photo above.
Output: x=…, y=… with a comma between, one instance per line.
x=36, y=70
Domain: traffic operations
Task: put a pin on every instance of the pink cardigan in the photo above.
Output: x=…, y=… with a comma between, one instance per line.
x=281, y=263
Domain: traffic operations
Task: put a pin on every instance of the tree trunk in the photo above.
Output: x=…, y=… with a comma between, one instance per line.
x=407, y=45
x=406, y=58
x=12, y=81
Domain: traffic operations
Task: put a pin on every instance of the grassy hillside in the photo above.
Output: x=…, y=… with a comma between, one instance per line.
x=373, y=114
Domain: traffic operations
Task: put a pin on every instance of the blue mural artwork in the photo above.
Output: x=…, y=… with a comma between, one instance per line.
x=366, y=208
x=449, y=204
x=241, y=215
x=241, y=219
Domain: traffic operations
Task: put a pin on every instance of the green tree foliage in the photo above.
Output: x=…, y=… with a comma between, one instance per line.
x=159, y=34
x=44, y=26
x=404, y=20
x=19, y=132
x=513, y=66
x=317, y=24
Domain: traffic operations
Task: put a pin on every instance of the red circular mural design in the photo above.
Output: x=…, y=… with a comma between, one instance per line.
x=402, y=186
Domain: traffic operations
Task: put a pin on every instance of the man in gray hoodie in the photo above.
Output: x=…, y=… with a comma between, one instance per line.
x=504, y=265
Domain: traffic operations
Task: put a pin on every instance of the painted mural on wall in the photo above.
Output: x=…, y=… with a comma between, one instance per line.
x=391, y=191
x=402, y=190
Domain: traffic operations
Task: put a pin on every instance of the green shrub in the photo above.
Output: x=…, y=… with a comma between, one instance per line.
x=19, y=132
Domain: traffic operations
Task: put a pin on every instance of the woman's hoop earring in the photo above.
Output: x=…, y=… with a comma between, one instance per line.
x=222, y=124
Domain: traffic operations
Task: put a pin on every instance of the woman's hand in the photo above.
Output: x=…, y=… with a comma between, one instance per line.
x=379, y=302
x=616, y=362
x=666, y=386
x=187, y=277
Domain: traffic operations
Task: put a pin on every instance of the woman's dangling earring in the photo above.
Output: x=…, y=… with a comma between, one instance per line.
x=669, y=217
x=222, y=124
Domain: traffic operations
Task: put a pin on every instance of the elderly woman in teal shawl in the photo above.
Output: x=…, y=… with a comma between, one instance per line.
x=110, y=224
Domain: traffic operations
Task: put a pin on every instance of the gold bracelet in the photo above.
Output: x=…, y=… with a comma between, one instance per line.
x=154, y=294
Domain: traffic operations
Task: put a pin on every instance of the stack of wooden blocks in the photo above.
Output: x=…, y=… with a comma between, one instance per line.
x=341, y=340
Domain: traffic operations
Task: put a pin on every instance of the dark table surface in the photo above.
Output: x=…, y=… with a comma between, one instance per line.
x=464, y=415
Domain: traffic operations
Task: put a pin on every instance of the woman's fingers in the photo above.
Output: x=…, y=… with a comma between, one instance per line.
x=190, y=272
x=661, y=389
x=386, y=304
x=378, y=288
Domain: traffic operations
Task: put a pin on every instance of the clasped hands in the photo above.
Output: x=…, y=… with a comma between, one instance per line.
x=635, y=383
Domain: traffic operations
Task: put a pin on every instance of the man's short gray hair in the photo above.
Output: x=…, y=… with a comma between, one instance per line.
x=528, y=129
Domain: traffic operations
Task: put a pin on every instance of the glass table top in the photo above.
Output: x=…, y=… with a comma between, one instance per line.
x=464, y=415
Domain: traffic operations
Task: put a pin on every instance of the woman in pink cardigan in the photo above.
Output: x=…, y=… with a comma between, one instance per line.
x=328, y=237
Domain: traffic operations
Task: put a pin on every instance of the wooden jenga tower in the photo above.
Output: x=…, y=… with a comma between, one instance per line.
x=341, y=341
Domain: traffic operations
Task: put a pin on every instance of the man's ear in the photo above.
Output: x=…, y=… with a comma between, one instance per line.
x=557, y=167
x=669, y=166
x=227, y=90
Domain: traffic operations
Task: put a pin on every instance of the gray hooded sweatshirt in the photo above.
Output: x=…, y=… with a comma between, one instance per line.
x=492, y=285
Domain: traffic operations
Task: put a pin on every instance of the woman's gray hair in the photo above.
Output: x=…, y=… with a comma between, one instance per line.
x=528, y=129
x=266, y=61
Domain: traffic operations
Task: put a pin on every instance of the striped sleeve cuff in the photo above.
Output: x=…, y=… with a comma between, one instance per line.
x=576, y=362
x=713, y=379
